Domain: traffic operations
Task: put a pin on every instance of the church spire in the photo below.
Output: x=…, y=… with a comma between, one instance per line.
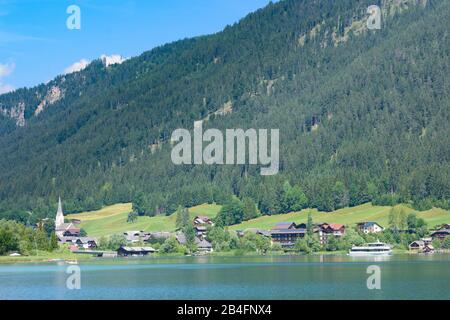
x=59, y=214
x=59, y=206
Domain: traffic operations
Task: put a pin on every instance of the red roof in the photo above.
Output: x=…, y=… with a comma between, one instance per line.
x=336, y=227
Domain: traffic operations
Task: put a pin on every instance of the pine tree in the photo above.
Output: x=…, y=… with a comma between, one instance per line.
x=53, y=242
x=310, y=225
x=182, y=217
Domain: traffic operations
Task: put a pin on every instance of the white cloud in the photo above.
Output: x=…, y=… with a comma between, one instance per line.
x=77, y=66
x=112, y=59
x=83, y=63
x=6, y=69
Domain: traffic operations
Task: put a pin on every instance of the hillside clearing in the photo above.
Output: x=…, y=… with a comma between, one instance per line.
x=113, y=219
x=116, y=209
x=347, y=216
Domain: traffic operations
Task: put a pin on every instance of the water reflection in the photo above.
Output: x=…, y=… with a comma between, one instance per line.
x=269, y=277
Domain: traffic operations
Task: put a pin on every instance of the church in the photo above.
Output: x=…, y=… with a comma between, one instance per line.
x=64, y=229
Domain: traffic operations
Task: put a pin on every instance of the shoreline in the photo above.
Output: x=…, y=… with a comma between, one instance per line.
x=62, y=257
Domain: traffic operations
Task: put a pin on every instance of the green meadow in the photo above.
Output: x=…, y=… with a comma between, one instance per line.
x=347, y=216
x=113, y=219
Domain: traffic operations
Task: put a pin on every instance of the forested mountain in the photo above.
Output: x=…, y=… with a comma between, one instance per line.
x=363, y=115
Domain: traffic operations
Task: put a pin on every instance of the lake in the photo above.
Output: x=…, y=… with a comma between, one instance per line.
x=282, y=277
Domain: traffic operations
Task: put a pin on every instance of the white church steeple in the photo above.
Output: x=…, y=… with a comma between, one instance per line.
x=59, y=215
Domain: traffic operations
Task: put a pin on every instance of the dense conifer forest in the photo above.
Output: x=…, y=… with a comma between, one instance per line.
x=363, y=116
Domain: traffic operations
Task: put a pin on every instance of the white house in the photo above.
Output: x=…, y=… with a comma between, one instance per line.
x=369, y=227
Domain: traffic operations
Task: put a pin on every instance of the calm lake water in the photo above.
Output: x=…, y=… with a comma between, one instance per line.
x=284, y=277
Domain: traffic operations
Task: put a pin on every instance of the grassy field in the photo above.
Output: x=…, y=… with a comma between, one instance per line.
x=107, y=212
x=347, y=216
x=113, y=219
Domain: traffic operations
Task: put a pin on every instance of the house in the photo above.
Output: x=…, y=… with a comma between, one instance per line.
x=440, y=234
x=80, y=242
x=200, y=225
x=417, y=245
x=132, y=236
x=202, y=220
x=287, y=237
x=369, y=227
x=203, y=245
x=135, y=251
x=287, y=233
x=136, y=236
x=337, y=230
x=86, y=242
x=422, y=245
x=67, y=230
x=71, y=231
x=200, y=231
x=326, y=230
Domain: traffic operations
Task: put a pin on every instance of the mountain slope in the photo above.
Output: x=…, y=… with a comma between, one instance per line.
x=363, y=115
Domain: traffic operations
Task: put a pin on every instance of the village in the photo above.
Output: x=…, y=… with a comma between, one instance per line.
x=285, y=236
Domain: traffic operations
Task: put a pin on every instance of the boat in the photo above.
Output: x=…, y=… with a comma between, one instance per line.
x=71, y=261
x=371, y=249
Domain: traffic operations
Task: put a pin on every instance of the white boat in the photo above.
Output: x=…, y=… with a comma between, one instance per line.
x=371, y=249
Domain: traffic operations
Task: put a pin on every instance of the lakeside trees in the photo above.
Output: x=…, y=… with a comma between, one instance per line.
x=171, y=245
x=16, y=237
x=224, y=241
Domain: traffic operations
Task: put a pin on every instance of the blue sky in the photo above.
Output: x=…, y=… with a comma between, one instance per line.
x=36, y=45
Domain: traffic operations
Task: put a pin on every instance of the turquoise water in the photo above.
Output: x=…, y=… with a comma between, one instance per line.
x=284, y=277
